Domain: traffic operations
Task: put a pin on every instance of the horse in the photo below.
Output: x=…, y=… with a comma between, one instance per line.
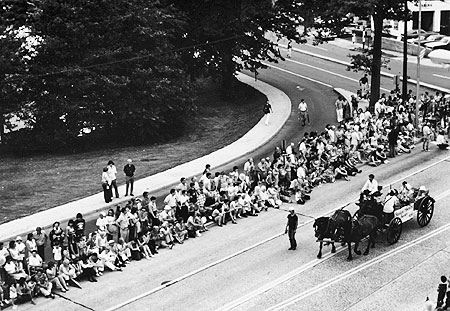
x=356, y=229
x=324, y=228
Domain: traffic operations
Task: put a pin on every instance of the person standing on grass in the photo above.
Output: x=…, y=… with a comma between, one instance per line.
x=267, y=111
x=106, y=185
x=291, y=228
x=112, y=172
x=129, y=170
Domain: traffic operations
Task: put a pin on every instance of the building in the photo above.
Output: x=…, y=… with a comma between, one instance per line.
x=435, y=17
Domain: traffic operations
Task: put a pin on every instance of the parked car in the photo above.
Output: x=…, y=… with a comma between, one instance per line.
x=426, y=39
x=432, y=38
x=414, y=33
x=444, y=44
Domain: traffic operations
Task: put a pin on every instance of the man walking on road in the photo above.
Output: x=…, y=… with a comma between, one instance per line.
x=291, y=228
x=303, y=115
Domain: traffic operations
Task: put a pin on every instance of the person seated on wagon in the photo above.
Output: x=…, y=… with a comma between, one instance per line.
x=423, y=192
x=390, y=203
x=406, y=193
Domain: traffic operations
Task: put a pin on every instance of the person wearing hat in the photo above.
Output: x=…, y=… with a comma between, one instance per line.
x=291, y=228
x=129, y=169
x=390, y=201
x=21, y=248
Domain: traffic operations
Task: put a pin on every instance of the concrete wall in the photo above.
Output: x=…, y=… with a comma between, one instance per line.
x=397, y=46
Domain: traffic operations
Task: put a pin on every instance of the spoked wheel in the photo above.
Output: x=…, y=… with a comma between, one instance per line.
x=394, y=230
x=425, y=212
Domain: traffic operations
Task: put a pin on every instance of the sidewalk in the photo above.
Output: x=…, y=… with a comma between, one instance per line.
x=248, y=143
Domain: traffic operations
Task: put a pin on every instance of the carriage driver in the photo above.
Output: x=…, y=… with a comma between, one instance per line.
x=369, y=188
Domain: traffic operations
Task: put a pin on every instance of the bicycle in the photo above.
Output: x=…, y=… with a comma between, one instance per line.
x=303, y=117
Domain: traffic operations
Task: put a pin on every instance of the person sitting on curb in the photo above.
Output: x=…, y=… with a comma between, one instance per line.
x=42, y=282
x=441, y=142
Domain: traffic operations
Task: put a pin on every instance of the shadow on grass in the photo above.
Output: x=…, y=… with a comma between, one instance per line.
x=36, y=183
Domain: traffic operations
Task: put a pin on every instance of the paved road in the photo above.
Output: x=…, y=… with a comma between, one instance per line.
x=436, y=75
x=214, y=277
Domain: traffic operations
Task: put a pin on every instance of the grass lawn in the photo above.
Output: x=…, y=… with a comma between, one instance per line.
x=36, y=183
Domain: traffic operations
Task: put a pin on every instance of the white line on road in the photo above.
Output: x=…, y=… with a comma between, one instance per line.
x=296, y=74
x=357, y=269
x=330, y=72
x=439, y=76
x=316, y=47
x=268, y=286
x=157, y=289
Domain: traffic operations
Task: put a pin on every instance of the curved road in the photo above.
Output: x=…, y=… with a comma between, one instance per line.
x=248, y=267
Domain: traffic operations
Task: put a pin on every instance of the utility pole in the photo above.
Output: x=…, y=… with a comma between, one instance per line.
x=418, y=67
x=405, y=55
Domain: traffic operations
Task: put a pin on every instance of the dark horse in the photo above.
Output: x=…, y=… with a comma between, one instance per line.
x=356, y=230
x=324, y=228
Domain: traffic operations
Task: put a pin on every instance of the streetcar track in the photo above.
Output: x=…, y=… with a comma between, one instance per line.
x=309, y=292
x=268, y=286
x=224, y=259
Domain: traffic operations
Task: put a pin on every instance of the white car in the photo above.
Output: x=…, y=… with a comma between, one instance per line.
x=444, y=43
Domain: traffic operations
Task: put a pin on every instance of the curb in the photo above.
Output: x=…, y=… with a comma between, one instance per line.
x=259, y=135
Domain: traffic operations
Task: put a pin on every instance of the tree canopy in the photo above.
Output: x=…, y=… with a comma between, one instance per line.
x=335, y=13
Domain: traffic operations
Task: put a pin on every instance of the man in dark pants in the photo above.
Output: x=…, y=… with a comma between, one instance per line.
x=392, y=138
x=129, y=170
x=291, y=228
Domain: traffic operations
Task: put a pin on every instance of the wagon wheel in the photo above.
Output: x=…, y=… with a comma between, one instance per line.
x=394, y=230
x=425, y=212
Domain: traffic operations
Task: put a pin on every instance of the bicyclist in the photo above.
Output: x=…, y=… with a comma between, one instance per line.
x=303, y=112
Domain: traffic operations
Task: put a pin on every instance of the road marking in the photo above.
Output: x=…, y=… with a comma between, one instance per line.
x=328, y=71
x=357, y=269
x=157, y=289
x=315, y=46
x=296, y=74
x=439, y=76
x=268, y=286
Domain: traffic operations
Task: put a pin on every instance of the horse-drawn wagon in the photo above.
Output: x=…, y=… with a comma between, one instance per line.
x=421, y=208
x=369, y=220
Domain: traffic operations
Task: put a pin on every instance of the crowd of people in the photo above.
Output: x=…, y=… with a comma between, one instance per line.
x=140, y=228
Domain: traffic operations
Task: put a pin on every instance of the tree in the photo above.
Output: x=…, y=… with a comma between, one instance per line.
x=104, y=71
x=13, y=59
x=336, y=11
x=236, y=34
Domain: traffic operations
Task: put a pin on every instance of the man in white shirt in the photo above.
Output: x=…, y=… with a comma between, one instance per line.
x=249, y=166
x=371, y=185
x=390, y=202
x=427, y=132
x=303, y=112
x=171, y=199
